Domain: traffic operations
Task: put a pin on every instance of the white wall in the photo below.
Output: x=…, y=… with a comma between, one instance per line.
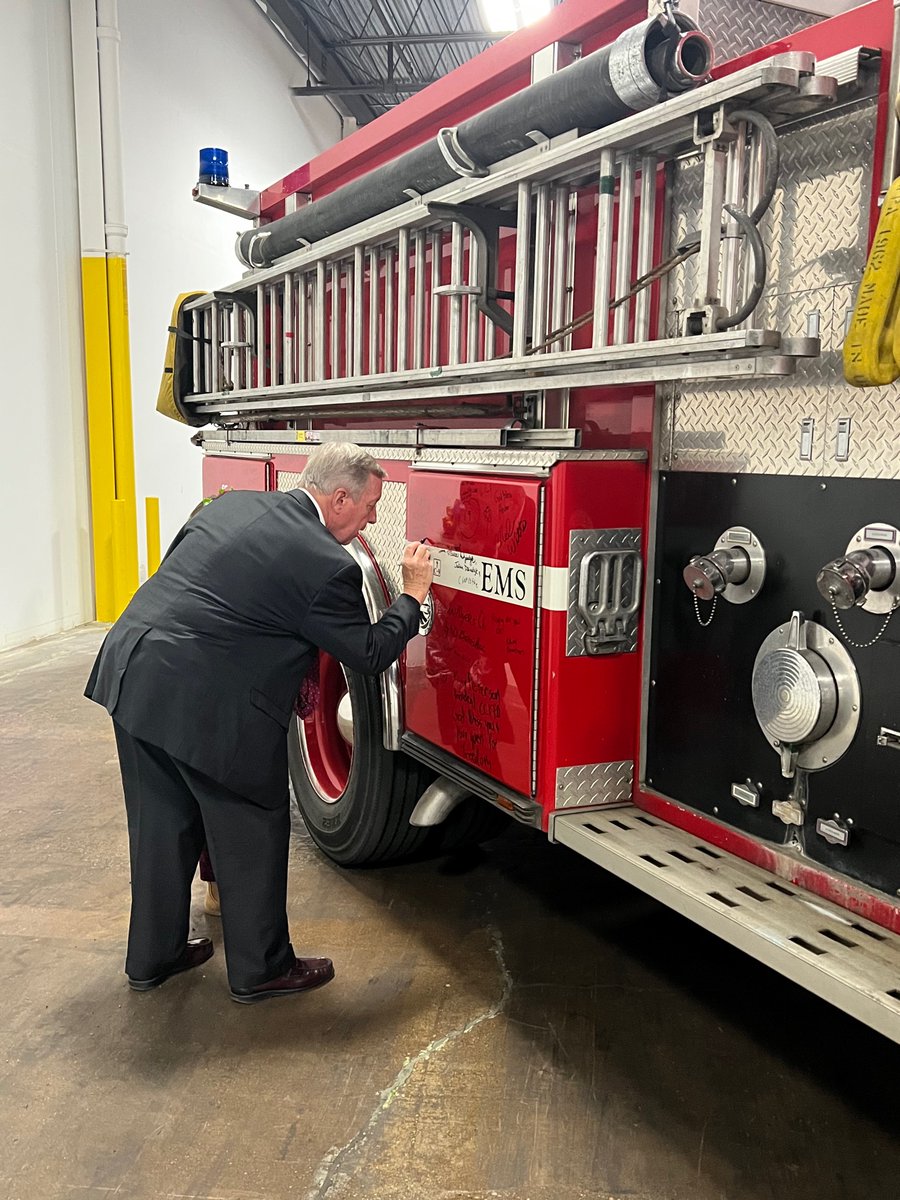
x=195, y=73
x=45, y=574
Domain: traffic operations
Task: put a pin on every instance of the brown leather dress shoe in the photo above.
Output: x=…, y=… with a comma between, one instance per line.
x=195, y=953
x=304, y=975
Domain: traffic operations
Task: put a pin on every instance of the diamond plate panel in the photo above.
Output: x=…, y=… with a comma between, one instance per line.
x=755, y=425
x=816, y=229
x=581, y=543
x=594, y=784
x=815, y=237
x=387, y=536
x=874, y=414
x=737, y=28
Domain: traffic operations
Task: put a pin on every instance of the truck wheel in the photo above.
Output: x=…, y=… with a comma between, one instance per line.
x=354, y=795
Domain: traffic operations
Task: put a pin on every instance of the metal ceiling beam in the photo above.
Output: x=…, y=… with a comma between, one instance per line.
x=377, y=87
x=390, y=25
x=418, y=39
x=307, y=40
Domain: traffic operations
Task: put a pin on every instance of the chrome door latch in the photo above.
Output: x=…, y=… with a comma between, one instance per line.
x=609, y=597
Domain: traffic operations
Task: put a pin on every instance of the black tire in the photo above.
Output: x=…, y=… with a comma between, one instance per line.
x=366, y=823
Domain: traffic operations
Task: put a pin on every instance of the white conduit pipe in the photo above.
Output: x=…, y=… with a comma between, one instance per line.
x=108, y=39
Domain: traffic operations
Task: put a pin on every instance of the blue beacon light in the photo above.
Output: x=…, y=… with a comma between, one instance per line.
x=214, y=166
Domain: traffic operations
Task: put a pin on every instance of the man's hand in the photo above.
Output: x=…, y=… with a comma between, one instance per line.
x=417, y=571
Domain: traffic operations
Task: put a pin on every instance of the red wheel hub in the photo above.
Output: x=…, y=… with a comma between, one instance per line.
x=328, y=754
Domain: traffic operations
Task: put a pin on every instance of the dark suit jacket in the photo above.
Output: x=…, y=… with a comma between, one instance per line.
x=207, y=658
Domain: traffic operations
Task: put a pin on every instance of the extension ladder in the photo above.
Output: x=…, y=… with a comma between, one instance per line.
x=482, y=289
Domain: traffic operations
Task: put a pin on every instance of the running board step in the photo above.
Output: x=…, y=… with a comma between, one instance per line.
x=847, y=960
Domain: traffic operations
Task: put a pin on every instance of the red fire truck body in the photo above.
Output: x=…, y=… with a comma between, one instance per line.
x=549, y=354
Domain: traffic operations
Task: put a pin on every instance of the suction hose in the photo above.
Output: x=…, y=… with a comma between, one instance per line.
x=662, y=56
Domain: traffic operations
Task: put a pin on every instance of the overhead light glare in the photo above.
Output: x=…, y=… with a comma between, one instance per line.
x=505, y=16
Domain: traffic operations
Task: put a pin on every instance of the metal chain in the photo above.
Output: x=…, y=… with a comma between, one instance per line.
x=712, y=611
x=846, y=636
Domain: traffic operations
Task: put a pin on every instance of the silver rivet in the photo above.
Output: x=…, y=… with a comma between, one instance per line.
x=653, y=683
x=849, y=820
x=837, y=816
x=831, y=641
x=716, y=811
x=855, y=707
x=824, y=759
x=859, y=539
x=823, y=486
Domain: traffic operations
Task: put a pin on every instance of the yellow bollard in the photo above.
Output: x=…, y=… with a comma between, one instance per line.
x=123, y=588
x=151, y=508
x=100, y=430
x=109, y=421
x=123, y=437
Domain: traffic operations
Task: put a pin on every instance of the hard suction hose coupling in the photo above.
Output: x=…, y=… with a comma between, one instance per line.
x=692, y=62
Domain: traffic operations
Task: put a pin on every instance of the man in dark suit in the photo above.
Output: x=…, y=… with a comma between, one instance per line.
x=199, y=675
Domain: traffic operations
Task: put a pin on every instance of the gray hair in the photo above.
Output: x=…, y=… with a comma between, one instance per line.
x=340, y=465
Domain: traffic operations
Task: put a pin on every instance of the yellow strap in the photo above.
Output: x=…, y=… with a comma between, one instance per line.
x=872, y=345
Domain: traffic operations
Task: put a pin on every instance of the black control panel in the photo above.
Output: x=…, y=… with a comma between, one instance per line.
x=704, y=741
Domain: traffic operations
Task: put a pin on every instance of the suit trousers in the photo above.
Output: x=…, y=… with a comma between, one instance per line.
x=172, y=809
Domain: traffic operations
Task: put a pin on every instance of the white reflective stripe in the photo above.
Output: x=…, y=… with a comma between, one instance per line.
x=555, y=589
x=496, y=578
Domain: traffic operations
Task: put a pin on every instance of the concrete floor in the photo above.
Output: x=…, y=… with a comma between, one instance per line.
x=515, y=1025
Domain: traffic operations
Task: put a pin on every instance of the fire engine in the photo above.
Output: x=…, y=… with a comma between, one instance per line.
x=612, y=304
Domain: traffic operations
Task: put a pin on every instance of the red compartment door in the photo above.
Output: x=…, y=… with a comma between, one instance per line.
x=470, y=679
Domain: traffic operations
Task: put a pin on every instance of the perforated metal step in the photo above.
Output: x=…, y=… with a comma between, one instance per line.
x=845, y=959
